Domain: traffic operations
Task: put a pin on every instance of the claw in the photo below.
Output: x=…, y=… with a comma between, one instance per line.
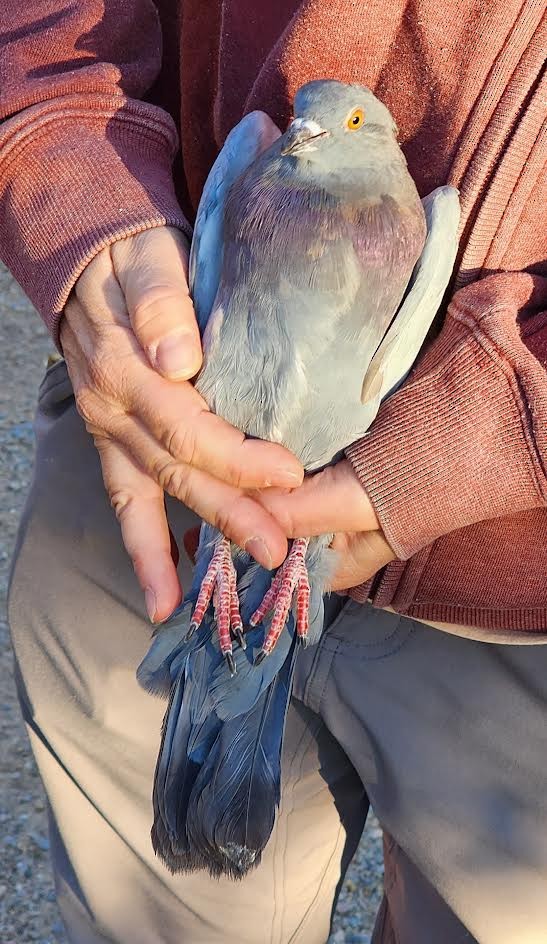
x=238, y=633
x=292, y=576
x=191, y=630
x=220, y=586
x=230, y=662
x=260, y=656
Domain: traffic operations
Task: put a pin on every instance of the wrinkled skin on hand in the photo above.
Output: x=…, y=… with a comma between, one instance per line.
x=131, y=344
x=329, y=501
x=334, y=501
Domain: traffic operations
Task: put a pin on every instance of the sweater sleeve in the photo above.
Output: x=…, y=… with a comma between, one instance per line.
x=465, y=438
x=84, y=160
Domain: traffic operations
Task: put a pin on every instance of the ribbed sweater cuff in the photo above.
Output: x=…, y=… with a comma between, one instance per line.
x=465, y=439
x=74, y=178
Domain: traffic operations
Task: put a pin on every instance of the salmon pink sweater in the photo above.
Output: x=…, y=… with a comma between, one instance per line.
x=95, y=97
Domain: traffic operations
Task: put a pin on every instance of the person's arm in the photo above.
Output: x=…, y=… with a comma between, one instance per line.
x=91, y=228
x=463, y=440
x=84, y=161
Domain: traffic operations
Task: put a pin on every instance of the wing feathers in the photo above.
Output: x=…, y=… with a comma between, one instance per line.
x=402, y=342
x=254, y=133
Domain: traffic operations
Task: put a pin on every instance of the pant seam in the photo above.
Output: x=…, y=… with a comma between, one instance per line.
x=372, y=645
x=319, y=676
x=311, y=908
x=306, y=736
x=345, y=644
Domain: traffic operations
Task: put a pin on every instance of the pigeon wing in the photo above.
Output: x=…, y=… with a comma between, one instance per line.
x=254, y=133
x=402, y=342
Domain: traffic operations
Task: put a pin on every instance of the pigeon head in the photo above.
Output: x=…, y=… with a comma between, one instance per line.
x=337, y=125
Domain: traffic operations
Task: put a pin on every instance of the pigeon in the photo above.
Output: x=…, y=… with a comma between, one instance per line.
x=315, y=272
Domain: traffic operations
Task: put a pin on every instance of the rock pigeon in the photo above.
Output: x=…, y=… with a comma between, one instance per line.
x=315, y=271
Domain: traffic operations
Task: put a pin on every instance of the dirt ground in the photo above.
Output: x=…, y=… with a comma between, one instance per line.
x=27, y=902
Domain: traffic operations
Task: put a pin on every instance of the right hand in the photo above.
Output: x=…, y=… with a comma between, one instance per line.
x=131, y=343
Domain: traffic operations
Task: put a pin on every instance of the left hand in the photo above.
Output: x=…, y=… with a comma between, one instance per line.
x=334, y=501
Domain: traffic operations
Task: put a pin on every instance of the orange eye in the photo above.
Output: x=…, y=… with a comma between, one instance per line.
x=355, y=119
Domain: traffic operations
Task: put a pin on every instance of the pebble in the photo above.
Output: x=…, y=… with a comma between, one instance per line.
x=41, y=841
x=345, y=906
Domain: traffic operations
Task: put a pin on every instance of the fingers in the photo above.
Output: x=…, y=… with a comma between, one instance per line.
x=329, y=501
x=139, y=507
x=152, y=273
x=228, y=509
x=154, y=434
x=192, y=434
x=114, y=384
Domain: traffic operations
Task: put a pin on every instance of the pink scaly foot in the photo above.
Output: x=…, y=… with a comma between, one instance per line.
x=292, y=576
x=220, y=585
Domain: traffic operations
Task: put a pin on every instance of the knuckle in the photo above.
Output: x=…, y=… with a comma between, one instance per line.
x=276, y=507
x=289, y=526
x=232, y=519
x=224, y=521
x=173, y=478
x=288, y=523
x=233, y=474
x=181, y=443
x=151, y=305
x=121, y=501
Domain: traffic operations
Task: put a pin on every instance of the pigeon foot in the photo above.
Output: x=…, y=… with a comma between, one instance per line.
x=291, y=578
x=220, y=586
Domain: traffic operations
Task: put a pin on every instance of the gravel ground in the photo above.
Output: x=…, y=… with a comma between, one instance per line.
x=27, y=902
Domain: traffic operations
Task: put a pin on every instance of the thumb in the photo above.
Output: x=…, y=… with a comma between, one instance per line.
x=152, y=269
x=329, y=501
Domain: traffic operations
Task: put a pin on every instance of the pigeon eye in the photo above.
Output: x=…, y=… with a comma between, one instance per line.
x=355, y=119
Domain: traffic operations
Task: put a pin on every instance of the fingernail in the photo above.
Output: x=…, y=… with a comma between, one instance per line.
x=151, y=604
x=285, y=478
x=257, y=549
x=176, y=356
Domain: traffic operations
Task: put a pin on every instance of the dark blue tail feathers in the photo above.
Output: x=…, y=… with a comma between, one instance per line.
x=218, y=774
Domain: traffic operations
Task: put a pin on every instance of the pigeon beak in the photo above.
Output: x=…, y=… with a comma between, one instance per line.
x=300, y=135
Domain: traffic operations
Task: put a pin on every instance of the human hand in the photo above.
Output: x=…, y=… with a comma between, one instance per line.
x=131, y=343
x=334, y=501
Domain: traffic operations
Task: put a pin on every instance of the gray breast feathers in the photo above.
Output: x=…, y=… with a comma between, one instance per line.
x=308, y=289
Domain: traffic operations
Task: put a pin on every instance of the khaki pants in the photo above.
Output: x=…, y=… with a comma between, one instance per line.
x=446, y=737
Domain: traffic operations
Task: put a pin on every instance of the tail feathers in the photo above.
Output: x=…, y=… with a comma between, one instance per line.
x=217, y=780
x=253, y=582
x=233, y=803
x=230, y=696
x=161, y=833
x=184, y=747
x=167, y=654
